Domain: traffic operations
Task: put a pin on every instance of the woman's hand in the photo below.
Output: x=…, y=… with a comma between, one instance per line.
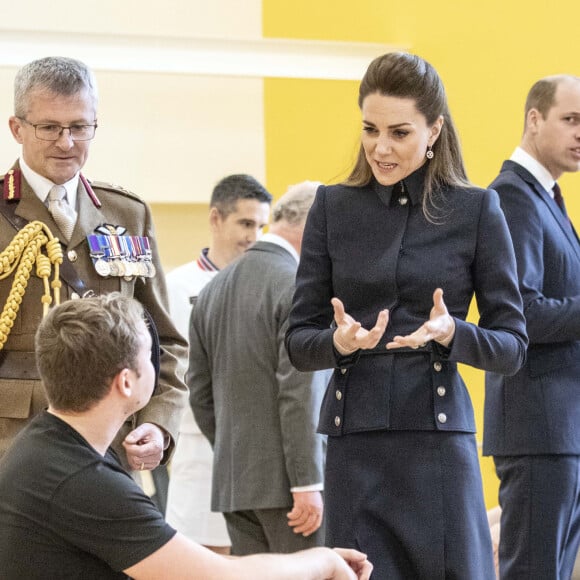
x=350, y=336
x=440, y=327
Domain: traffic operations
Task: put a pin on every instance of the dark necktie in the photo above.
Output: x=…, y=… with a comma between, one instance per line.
x=559, y=199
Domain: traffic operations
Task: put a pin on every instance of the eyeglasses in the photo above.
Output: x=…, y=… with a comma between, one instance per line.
x=50, y=132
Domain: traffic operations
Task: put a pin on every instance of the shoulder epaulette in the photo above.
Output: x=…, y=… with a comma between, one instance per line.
x=115, y=188
x=11, y=184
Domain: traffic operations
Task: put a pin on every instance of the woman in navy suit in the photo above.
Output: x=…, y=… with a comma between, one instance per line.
x=390, y=262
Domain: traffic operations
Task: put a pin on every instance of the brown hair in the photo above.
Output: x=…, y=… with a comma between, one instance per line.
x=82, y=344
x=408, y=76
x=232, y=188
x=542, y=95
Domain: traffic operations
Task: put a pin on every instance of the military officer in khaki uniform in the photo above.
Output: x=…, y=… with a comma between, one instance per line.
x=107, y=240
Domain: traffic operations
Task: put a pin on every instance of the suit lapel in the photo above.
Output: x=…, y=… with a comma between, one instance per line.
x=31, y=208
x=89, y=217
x=563, y=222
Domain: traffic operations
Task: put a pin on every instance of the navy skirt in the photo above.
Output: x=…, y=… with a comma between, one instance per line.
x=412, y=501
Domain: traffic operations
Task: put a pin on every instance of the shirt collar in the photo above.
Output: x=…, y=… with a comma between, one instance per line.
x=42, y=186
x=413, y=185
x=205, y=263
x=544, y=177
x=280, y=241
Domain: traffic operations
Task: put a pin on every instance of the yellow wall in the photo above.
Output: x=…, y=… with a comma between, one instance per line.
x=488, y=55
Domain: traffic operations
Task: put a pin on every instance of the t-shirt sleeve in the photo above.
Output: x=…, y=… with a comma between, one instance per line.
x=103, y=511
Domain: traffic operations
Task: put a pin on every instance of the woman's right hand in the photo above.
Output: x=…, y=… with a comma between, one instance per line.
x=350, y=336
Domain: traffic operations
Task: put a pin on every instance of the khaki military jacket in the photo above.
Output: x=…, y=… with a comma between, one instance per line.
x=21, y=393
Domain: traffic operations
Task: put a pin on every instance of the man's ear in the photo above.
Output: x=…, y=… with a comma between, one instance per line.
x=122, y=383
x=215, y=218
x=15, y=125
x=532, y=120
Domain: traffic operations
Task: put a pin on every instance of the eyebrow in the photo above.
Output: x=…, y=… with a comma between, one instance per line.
x=76, y=122
x=395, y=126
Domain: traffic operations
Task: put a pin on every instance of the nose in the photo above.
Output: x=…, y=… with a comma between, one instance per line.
x=65, y=140
x=383, y=145
x=253, y=235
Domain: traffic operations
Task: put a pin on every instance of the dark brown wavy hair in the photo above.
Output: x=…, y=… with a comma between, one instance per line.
x=408, y=76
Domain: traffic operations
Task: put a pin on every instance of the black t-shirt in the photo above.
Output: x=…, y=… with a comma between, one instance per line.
x=67, y=512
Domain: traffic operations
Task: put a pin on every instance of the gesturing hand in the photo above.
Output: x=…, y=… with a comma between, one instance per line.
x=440, y=327
x=350, y=335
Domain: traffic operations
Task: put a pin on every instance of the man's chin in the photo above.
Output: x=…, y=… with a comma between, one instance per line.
x=62, y=174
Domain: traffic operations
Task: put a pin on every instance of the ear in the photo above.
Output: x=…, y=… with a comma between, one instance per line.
x=215, y=218
x=122, y=384
x=15, y=125
x=533, y=119
x=436, y=130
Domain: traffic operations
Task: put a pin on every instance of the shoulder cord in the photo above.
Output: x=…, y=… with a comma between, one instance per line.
x=23, y=252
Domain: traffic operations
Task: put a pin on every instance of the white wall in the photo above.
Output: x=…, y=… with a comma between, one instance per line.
x=167, y=136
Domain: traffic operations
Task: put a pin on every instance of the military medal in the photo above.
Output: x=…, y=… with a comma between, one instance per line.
x=102, y=267
x=115, y=254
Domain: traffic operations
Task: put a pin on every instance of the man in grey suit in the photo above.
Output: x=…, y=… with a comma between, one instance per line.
x=532, y=418
x=257, y=411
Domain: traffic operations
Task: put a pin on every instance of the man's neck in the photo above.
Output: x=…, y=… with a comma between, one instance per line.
x=218, y=258
x=530, y=162
x=96, y=426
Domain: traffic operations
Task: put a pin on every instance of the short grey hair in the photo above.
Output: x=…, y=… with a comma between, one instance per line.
x=294, y=205
x=56, y=74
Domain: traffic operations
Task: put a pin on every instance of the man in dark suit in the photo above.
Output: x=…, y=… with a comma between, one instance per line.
x=532, y=419
x=108, y=244
x=257, y=411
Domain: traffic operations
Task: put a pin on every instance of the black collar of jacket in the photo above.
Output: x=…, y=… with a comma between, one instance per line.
x=413, y=185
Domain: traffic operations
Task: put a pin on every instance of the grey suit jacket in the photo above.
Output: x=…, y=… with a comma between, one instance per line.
x=537, y=411
x=258, y=412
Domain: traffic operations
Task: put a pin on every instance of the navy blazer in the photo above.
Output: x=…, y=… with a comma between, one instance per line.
x=537, y=411
x=373, y=248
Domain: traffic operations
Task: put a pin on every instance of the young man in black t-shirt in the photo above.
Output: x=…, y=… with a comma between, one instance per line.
x=67, y=507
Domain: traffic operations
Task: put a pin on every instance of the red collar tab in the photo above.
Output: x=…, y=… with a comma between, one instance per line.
x=90, y=191
x=12, y=184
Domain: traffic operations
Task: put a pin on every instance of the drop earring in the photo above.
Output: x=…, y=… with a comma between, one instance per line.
x=429, y=153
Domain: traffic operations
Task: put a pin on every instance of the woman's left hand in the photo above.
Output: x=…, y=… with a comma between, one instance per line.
x=440, y=327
